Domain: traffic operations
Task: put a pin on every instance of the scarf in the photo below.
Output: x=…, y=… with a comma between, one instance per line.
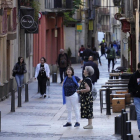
x=63, y=91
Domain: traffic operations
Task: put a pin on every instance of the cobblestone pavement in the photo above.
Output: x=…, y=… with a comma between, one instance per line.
x=43, y=119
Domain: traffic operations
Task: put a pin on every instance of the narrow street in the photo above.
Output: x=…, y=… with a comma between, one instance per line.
x=43, y=119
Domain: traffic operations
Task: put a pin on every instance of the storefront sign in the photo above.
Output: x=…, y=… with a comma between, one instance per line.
x=79, y=27
x=27, y=18
x=91, y=25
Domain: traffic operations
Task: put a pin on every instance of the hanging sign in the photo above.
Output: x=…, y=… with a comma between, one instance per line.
x=91, y=25
x=26, y=18
x=79, y=27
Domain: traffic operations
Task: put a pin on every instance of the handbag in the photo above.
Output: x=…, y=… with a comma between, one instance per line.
x=13, y=74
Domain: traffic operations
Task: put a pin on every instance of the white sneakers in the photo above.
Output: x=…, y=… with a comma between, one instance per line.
x=88, y=127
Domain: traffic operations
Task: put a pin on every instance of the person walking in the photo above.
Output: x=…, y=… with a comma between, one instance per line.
x=91, y=63
x=42, y=73
x=70, y=97
x=62, y=63
x=18, y=71
x=134, y=89
x=96, y=57
x=87, y=52
x=103, y=49
x=111, y=57
x=86, y=97
x=81, y=50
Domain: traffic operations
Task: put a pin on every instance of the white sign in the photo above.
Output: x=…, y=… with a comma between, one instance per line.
x=39, y=16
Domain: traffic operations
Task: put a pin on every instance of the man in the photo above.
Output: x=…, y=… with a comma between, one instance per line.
x=111, y=55
x=81, y=50
x=87, y=52
x=103, y=49
x=95, y=76
x=134, y=89
x=63, y=63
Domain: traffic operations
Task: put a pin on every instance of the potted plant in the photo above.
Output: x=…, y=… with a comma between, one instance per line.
x=69, y=53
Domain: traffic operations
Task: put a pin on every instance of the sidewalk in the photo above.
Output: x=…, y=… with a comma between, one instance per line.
x=43, y=119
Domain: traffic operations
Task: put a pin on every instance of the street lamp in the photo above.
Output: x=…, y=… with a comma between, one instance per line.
x=116, y=2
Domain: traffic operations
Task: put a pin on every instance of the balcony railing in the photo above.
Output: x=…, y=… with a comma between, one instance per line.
x=96, y=3
x=104, y=11
x=58, y=4
x=6, y=4
x=4, y=22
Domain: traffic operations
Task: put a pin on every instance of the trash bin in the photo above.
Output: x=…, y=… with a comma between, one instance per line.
x=54, y=78
x=126, y=76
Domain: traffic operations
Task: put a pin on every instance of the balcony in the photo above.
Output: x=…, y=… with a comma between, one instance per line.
x=58, y=5
x=6, y=4
x=3, y=28
x=104, y=11
x=103, y=28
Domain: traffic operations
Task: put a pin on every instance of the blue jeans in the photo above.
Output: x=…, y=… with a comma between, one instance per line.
x=137, y=106
x=19, y=79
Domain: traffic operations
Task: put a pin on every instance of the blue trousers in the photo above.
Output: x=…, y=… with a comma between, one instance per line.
x=19, y=79
x=137, y=106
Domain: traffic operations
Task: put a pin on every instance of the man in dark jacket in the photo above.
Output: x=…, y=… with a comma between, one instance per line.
x=87, y=52
x=95, y=76
x=134, y=89
x=63, y=63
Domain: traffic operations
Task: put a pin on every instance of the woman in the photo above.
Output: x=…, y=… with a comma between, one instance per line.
x=86, y=97
x=19, y=70
x=42, y=73
x=70, y=97
x=80, y=53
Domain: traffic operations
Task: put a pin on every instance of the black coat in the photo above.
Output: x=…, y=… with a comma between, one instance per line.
x=134, y=84
x=58, y=60
x=95, y=76
x=19, y=69
x=87, y=53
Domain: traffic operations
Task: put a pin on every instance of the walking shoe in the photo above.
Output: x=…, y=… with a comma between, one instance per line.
x=88, y=127
x=77, y=124
x=41, y=95
x=67, y=124
x=44, y=95
x=139, y=135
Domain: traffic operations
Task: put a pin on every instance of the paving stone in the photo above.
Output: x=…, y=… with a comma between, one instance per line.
x=41, y=107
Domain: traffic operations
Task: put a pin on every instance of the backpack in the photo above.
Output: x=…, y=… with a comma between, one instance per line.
x=111, y=54
x=63, y=61
x=95, y=56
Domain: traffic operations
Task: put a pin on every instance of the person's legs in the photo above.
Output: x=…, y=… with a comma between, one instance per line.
x=69, y=108
x=40, y=85
x=109, y=64
x=61, y=74
x=21, y=77
x=44, y=84
x=64, y=71
x=17, y=81
x=74, y=101
x=137, y=106
x=113, y=63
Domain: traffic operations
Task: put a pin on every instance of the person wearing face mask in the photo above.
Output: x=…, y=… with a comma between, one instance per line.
x=18, y=71
x=42, y=73
x=70, y=97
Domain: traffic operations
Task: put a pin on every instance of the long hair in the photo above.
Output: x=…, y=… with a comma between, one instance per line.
x=19, y=59
x=70, y=69
x=43, y=58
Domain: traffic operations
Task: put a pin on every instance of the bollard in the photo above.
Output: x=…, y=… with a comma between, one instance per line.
x=118, y=125
x=19, y=96
x=128, y=127
x=26, y=93
x=13, y=101
x=108, y=92
x=0, y=121
x=125, y=118
x=129, y=137
x=123, y=110
x=54, y=78
x=133, y=114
